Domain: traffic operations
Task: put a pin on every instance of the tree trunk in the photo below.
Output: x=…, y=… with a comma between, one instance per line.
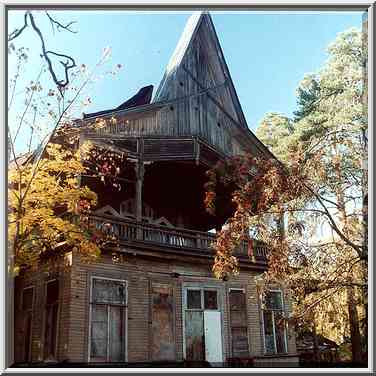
x=356, y=344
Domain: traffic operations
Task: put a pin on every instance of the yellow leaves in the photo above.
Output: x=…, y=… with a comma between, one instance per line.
x=84, y=151
x=16, y=271
x=41, y=218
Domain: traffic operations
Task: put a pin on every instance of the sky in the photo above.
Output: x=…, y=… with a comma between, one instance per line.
x=267, y=53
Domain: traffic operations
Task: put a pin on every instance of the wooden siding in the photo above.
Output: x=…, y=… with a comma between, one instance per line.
x=38, y=280
x=172, y=120
x=140, y=273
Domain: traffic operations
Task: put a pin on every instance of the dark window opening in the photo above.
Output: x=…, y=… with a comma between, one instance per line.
x=27, y=307
x=27, y=299
x=193, y=299
x=51, y=319
x=210, y=299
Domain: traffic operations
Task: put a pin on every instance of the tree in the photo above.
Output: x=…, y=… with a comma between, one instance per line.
x=319, y=185
x=41, y=112
x=53, y=217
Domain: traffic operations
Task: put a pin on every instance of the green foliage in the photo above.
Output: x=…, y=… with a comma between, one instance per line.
x=308, y=98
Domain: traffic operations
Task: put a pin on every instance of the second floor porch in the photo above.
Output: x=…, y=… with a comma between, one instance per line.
x=173, y=239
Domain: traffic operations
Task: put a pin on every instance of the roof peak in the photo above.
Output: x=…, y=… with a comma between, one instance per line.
x=189, y=32
x=197, y=48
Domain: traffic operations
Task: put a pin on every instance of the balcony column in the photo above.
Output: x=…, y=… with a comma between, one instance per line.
x=140, y=169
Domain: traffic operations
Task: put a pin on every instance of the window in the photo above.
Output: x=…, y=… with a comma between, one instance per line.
x=210, y=299
x=51, y=319
x=238, y=323
x=274, y=323
x=107, y=325
x=193, y=299
x=27, y=308
x=202, y=299
x=27, y=298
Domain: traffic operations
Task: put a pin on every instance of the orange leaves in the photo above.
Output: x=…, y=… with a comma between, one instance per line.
x=209, y=202
x=259, y=186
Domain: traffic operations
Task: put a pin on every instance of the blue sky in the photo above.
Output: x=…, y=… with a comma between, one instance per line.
x=267, y=53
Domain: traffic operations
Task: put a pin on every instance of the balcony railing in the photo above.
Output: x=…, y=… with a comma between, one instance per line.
x=169, y=237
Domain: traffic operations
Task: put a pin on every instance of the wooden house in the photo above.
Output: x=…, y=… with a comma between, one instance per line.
x=161, y=302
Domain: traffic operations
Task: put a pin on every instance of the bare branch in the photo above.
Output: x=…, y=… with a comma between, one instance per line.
x=68, y=64
x=17, y=32
x=26, y=108
x=333, y=224
x=61, y=84
x=59, y=25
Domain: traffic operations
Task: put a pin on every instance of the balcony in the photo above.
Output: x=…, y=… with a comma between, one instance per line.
x=170, y=238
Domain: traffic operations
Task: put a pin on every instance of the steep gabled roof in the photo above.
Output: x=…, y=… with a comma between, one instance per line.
x=199, y=54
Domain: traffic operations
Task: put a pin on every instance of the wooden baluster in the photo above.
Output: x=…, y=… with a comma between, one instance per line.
x=198, y=241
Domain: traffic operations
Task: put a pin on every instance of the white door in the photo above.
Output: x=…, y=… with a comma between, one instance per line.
x=213, y=336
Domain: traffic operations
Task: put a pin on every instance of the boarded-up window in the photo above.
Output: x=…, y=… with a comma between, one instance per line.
x=51, y=319
x=162, y=311
x=238, y=324
x=107, y=326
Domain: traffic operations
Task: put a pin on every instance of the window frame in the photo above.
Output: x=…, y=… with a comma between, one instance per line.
x=283, y=311
x=202, y=298
x=125, y=306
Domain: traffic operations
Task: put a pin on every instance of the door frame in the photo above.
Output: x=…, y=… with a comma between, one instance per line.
x=220, y=302
x=125, y=333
